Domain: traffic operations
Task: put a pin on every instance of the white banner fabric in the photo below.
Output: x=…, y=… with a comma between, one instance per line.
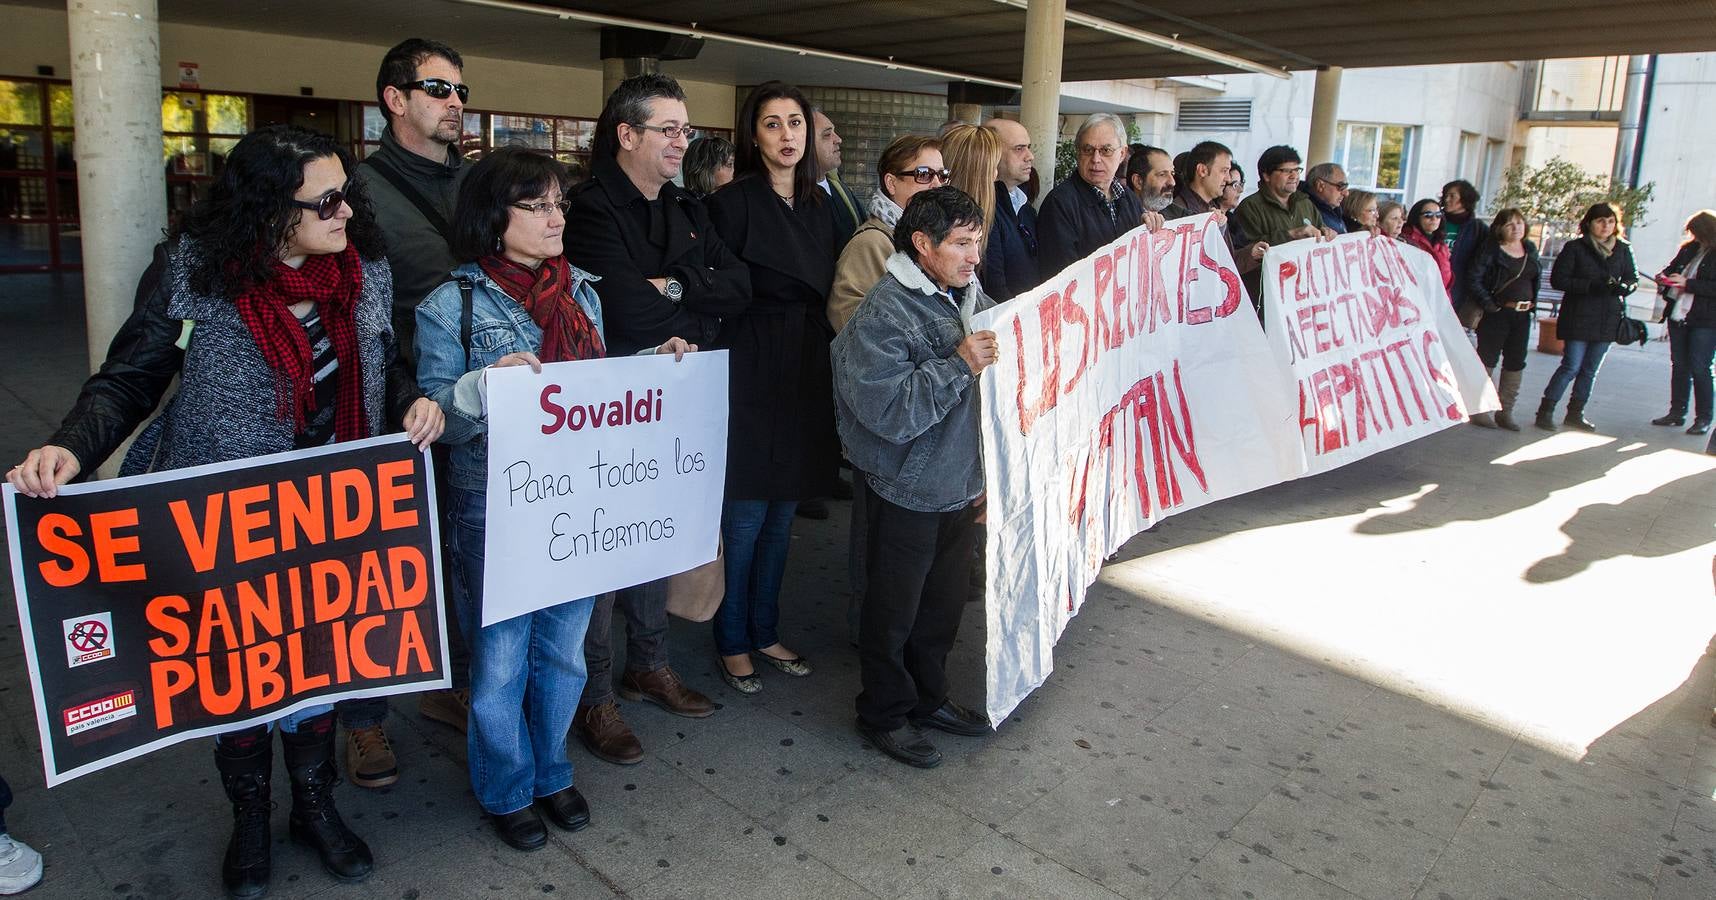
x=1376, y=354
x=1133, y=385
x=603, y=474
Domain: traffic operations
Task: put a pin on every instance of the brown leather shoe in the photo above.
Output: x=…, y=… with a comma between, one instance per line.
x=663, y=688
x=606, y=735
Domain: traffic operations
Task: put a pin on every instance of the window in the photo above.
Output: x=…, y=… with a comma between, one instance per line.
x=1376, y=157
x=38, y=176
x=1214, y=115
x=1494, y=164
x=1470, y=158
x=198, y=131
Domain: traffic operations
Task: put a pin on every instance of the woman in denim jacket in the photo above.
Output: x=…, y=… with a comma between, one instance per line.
x=528, y=306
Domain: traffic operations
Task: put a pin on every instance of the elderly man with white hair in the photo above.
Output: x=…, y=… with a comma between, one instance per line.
x=1092, y=206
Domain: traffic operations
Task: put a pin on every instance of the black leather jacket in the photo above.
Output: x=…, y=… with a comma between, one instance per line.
x=1491, y=269
x=141, y=363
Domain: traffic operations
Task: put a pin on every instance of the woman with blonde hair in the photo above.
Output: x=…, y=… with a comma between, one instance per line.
x=1359, y=211
x=1390, y=218
x=973, y=154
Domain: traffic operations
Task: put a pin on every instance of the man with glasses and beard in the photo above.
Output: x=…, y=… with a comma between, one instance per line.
x=1092, y=206
x=413, y=181
x=664, y=273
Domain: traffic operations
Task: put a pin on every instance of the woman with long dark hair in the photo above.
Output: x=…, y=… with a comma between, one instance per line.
x=781, y=446
x=527, y=306
x=1504, y=279
x=1595, y=275
x=1689, y=283
x=278, y=274
x=1423, y=229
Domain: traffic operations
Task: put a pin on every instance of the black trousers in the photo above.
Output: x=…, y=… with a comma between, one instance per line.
x=917, y=574
x=1504, y=334
x=5, y=801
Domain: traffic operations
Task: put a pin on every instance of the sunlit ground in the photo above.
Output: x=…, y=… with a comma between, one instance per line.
x=1530, y=599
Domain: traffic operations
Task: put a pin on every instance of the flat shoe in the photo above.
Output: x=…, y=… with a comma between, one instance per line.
x=522, y=829
x=567, y=809
x=744, y=684
x=797, y=667
x=1699, y=427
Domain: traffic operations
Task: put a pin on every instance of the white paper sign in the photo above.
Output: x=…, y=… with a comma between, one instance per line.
x=1133, y=385
x=603, y=474
x=1377, y=356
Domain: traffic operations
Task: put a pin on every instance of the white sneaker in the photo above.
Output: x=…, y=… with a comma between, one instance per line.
x=20, y=866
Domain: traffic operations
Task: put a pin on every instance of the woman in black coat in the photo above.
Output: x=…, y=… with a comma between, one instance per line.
x=781, y=444
x=1503, y=280
x=1596, y=274
x=1689, y=283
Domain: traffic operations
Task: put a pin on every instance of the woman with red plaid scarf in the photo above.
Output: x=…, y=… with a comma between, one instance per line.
x=519, y=303
x=270, y=302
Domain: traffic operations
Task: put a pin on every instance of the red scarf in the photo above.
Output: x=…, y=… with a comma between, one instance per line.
x=546, y=294
x=332, y=281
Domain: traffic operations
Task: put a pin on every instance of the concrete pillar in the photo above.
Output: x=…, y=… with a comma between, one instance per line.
x=1325, y=115
x=121, y=185
x=617, y=69
x=1040, y=101
x=969, y=113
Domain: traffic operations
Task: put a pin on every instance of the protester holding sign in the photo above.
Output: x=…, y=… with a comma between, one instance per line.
x=1596, y=275
x=1092, y=206
x=270, y=302
x=781, y=446
x=514, y=301
x=906, y=393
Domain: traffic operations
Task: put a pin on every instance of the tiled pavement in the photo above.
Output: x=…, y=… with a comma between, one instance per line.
x=1473, y=667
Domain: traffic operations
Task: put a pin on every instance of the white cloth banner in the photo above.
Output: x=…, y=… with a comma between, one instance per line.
x=1133, y=385
x=1377, y=356
x=603, y=474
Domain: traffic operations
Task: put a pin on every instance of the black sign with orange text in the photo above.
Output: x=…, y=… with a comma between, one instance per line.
x=165, y=607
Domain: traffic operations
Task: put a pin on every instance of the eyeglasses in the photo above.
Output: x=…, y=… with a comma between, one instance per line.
x=671, y=132
x=1237, y=182
x=1430, y=215
x=541, y=208
x=1337, y=185
x=1295, y=171
x=925, y=174
x=326, y=207
x=440, y=88
x=1104, y=152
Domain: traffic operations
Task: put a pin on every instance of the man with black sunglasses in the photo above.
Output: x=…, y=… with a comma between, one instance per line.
x=413, y=182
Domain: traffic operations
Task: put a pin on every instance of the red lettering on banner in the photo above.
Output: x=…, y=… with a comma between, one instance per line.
x=1118, y=300
x=1229, y=278
x=1048, y=314
x=1158, y=312
x=1073, y=314
x=1438, y=376
x=1104, y=267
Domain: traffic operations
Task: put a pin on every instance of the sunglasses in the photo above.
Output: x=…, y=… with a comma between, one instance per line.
x=1337, y=185
x=327, y=207
x=1430, y=215
x=439, y=88
x=925, y=175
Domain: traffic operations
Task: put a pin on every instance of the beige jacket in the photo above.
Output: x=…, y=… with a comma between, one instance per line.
x=862, y=264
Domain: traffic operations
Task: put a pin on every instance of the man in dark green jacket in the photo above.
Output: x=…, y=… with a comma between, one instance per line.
x=413, y=182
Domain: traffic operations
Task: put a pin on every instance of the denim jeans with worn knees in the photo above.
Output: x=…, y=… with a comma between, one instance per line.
x=526, y=675
x=755, y=536
x=1579, y=363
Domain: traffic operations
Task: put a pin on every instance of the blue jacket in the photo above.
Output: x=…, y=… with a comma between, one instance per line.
x=904, y=399
x=499, y=325
x=1010, y=260
x=1333, y=218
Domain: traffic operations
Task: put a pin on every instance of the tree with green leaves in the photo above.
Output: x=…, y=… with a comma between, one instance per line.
x=1555, y=195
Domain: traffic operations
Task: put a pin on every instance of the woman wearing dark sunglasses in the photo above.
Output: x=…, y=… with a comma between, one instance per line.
x=1423, y=229
x=270, y=302
x=910, y=164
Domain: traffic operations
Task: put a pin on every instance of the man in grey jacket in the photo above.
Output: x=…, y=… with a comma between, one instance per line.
x=905, y=397
x=413, y=182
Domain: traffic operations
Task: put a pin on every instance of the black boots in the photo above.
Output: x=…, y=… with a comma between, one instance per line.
x=1546, y=415
x=315, y=822
x=1576, y=417
x=245, y=760
x=1676, y=417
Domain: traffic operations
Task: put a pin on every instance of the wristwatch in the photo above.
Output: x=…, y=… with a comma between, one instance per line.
x=674, y=290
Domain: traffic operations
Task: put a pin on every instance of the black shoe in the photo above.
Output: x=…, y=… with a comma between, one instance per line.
x=906, y=744
x=244, y=773
x=315, y=822
x=567, y=809
x=1578, y=422
x=955, y=719
x=813, y=509
x=522, y=829
x=1674, y=420
x=842, y=489
x=1699, y=426
x=1546, y=416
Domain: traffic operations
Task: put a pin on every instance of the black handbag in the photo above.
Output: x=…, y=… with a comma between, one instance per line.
x=1631, y=331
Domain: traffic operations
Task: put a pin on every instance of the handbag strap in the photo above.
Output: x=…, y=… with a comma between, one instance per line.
x=410, y=192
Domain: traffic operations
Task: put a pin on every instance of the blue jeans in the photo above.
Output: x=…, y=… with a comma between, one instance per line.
x=1579, y=363
x=526, y=675
x=1690, y=352
x=755, y=535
